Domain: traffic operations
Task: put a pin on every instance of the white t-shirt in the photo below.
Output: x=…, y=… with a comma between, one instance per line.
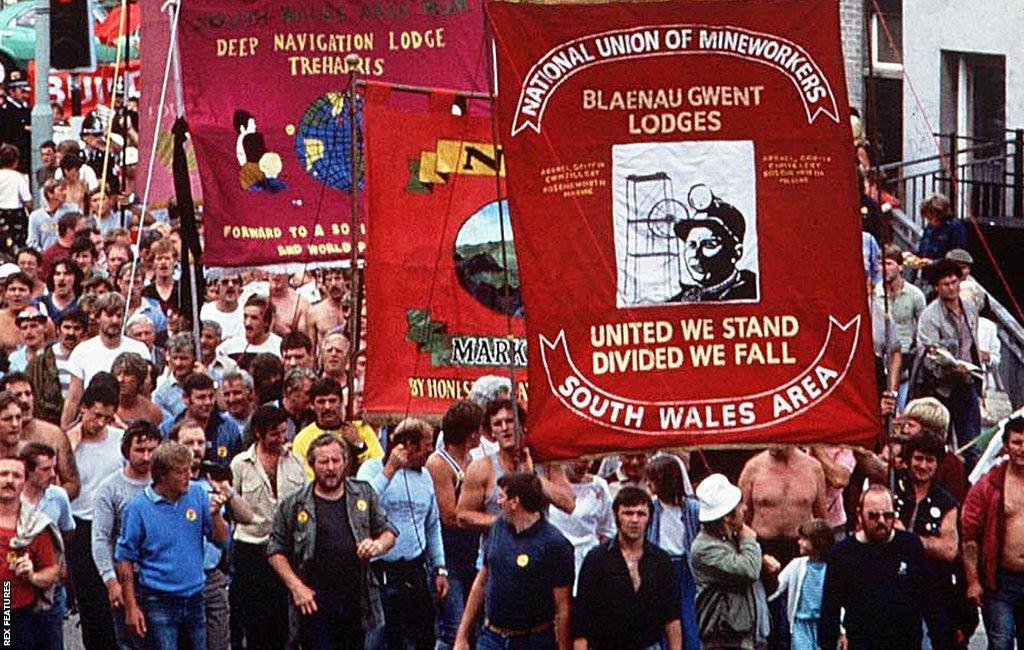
x=231, y=323
x=86, y=173
x=673, y=531
x=242, y=352
x=96, y=461
x=14, y=191
x=91, y=356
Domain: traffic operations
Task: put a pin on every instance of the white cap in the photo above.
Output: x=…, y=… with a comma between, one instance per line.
x=718, y=497
x=8, y=269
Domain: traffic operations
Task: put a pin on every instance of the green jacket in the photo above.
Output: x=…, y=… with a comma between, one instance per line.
x=45, y=379
x=294, y=536
x=725, y=575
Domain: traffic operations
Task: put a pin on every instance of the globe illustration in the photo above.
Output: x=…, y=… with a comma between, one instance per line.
x=323, y=140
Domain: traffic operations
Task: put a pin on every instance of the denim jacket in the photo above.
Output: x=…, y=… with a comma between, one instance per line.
x=294, y=536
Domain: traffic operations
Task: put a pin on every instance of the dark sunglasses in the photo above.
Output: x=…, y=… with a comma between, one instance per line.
x=875, y=515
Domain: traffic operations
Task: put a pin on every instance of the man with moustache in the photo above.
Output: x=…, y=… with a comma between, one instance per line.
x=263, y=475
x=257, y=317
x=32, y=546
x=112, y=497
x=331, y=311
x=626, y=595
x=880, y=577
x=36, y=430
x=326, y=395
x=226, y=310
x=163, y=534
x=324, y=536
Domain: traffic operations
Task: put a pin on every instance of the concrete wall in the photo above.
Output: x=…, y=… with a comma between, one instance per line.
x=931, y=26
x=851, y=23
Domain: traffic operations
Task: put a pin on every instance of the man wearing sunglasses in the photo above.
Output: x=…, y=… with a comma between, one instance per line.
x=880, y=577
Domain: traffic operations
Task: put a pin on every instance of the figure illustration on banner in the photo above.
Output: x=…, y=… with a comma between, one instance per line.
x=259, y=168
x=703, y=249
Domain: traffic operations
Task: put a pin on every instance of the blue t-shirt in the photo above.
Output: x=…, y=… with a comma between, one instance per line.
x=166, y=541
x=523, y=569
x=811, y=592
x=56, y=505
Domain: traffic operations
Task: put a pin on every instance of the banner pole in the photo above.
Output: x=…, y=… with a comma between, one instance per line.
x=352, y=63
x=499, y=162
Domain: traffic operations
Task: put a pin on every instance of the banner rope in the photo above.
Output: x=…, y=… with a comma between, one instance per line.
x=122, y=25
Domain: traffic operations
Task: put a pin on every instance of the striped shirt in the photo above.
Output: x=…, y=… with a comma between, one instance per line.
x=63, y=370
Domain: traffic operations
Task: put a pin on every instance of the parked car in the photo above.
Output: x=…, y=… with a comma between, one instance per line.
x=18, y=37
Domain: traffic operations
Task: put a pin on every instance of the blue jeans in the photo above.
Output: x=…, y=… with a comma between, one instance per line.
x=31, y=631
x=1003, y=612
x=490, y=640
x=965, y=416
x=170, y=619
x=449, y=610
x=687, y=603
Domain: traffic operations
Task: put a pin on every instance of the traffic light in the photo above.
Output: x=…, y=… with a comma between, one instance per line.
x=71, y=39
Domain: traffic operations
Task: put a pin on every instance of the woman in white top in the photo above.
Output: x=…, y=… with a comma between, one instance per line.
x=15, y=200
x=592, y=521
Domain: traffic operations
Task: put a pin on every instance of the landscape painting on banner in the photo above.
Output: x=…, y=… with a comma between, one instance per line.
x=682, y=189
x=265, y=97
x=442, y=282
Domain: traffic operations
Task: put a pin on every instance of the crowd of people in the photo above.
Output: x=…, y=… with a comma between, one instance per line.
x=158, y=491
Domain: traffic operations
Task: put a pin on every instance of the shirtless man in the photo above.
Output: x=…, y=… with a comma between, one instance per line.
x=783, y=488
x=477, y=508
x=290, y=309
x=131, y=371
x=36, y=430
x=330, y=312
x=448, y=466
x=17, y=293
x=993, y=545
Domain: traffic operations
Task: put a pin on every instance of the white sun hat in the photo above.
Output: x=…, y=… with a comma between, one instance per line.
x=718, y=497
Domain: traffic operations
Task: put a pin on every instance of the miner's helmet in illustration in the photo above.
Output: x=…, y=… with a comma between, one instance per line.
x=710, y=211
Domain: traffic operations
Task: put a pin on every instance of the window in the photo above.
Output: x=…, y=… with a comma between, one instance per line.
x=887, y=35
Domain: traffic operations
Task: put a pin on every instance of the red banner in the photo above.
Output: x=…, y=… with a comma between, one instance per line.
x=442, y=291
x=96, y=86
x=683, y=199
x=265, y=98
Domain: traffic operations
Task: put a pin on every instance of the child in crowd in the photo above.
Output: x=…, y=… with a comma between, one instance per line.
x=803, y=581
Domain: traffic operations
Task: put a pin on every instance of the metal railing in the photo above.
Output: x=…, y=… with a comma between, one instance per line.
x=983, y=179
x=907, y=234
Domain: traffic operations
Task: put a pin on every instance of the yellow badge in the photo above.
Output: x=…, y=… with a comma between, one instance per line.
x=12, y=556
x=303, y=516
x=222, y=451
x=523, y=560
x=361, y=505
x=191, y=514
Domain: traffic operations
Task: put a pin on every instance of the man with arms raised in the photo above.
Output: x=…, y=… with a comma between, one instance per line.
x=36, y=430
x=321, y=544
x=992, y=526
x=477, y=508
x=98, y=353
